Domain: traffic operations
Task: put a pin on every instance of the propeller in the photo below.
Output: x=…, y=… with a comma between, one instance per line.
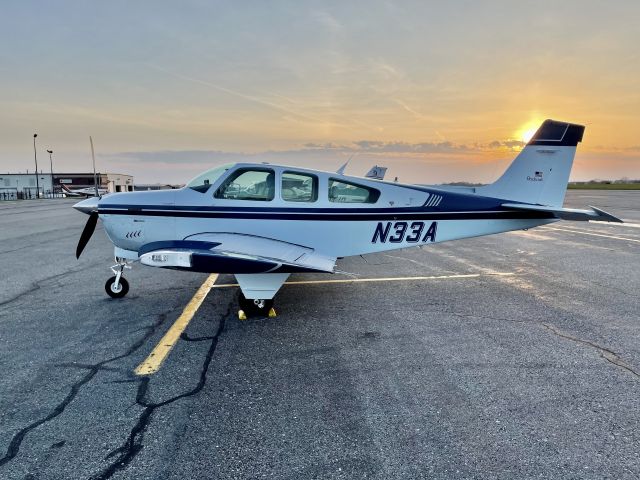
x=90, y=207
x=89, y=227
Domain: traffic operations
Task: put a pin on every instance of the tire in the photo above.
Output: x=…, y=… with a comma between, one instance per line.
x=124, y=287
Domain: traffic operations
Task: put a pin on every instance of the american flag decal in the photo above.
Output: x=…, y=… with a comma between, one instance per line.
x=538, y=175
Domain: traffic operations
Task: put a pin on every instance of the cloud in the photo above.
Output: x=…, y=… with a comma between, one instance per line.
x=250, y=98
x=426, y=162
x=178, y=157
x=328, y=21
x=388, y=149
x=633, y=149
x=323, y=146
x=498, y=144
x=404, y=147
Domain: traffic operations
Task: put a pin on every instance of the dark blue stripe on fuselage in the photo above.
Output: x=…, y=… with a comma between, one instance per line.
x=372, y=215
x=135, y=209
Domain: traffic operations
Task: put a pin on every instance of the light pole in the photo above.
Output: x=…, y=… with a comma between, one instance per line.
x=50, y=152
x=35, y=157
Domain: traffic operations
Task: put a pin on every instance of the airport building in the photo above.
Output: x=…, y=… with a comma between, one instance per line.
x=23, y=185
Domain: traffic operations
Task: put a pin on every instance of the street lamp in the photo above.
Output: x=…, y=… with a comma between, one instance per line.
x=35, y=156
x=50, y=152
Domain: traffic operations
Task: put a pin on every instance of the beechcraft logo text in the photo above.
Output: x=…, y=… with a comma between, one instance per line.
x=537, y=177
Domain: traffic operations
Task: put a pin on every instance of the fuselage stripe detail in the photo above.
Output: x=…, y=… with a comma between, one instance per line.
x=361, y=216
x=133, y=209
x=433, y=200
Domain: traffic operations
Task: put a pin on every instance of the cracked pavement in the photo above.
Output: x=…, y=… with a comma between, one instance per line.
x=533, y=375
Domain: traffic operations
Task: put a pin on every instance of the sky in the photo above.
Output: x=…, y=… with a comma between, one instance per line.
x=436, y=91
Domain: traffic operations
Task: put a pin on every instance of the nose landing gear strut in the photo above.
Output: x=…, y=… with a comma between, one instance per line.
x=117, y=286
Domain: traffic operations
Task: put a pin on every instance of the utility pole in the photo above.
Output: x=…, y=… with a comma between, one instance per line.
x=35, y=157
x=50, y=152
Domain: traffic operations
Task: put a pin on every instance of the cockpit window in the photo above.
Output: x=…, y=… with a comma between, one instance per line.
x=343, y=192
x=203, y=182
x=249, y=184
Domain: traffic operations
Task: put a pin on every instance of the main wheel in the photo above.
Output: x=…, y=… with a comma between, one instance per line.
x=120, y=291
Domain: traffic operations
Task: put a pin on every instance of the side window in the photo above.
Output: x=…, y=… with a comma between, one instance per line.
x=343, y=192
x=299, y=187
x=257, y=185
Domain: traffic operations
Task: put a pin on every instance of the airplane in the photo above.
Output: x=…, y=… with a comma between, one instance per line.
x=83, y=192
x=263, y=222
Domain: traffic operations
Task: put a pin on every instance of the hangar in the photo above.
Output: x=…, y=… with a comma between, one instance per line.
x=23, y=185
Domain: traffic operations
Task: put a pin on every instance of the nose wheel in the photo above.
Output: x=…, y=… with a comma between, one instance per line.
x=250, y=307
x=117, y=286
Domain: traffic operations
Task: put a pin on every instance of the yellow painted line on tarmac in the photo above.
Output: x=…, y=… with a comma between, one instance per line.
x=386, y=279
x=582, y=232
x=626, y=224
x=158, y=355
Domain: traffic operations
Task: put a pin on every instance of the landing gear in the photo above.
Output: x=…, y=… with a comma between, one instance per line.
x=254, y=307
x=117, y=286
x=117, y=290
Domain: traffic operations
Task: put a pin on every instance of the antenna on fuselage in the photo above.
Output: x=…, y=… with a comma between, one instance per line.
x=340, y=171
x=93, y=157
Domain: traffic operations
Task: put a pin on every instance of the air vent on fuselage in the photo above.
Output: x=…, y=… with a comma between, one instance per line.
x=433, y=200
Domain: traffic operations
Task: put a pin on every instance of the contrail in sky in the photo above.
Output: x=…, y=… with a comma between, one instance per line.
x=244, y=96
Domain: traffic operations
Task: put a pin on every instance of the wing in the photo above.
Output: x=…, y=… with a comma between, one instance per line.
x=234, y=253
x=595, y=214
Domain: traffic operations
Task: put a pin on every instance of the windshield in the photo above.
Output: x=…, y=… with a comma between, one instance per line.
x=203, y=181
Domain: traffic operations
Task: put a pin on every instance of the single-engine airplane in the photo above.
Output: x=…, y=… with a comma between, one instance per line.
x=83, y=192
x=263, y=222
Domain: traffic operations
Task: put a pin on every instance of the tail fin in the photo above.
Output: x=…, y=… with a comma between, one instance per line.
x=376, y=172
x=540, y=173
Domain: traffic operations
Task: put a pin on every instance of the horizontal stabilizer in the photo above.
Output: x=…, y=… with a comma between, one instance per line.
x=376, y=172
x=595, y=214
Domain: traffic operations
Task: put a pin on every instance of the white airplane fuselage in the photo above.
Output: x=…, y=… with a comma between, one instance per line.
x=399, y=219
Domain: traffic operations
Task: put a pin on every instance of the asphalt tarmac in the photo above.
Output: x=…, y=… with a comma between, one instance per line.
x=517, y=357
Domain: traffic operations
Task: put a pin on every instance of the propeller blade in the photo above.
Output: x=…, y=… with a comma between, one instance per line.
x=86, y=233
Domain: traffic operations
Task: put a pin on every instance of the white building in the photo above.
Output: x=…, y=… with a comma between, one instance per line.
x=23, y=185
x=117, y=182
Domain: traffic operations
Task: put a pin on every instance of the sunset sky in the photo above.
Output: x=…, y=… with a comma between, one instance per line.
x=436, y=91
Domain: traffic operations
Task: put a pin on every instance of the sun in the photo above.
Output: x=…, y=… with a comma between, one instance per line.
x=527, y=134
x=528, y=130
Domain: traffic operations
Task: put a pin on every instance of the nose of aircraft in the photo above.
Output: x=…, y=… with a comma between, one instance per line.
x=87, y=206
